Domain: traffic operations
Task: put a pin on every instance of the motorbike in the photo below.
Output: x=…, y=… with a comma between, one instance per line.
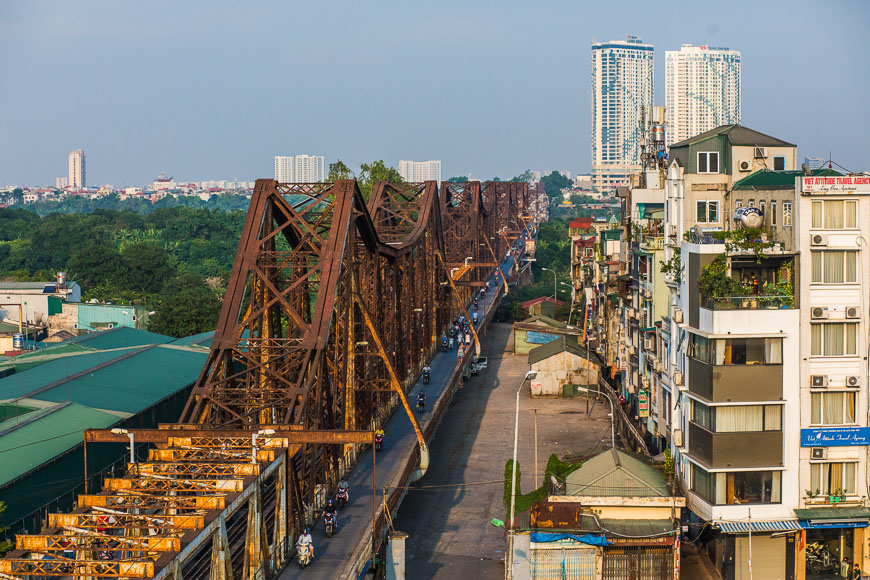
x=426, y=377
x=304, y=554
x=379, y=442
x=329, y=524
x=820, y=559
x=444, y=344
x=421, y=404
x=341, y=498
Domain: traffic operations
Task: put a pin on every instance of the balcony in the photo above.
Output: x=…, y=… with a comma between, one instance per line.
x=732, y=383
x=752, y=302
x=735, y=450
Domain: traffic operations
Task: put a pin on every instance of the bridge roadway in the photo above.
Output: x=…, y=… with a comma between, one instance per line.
x=333, y=556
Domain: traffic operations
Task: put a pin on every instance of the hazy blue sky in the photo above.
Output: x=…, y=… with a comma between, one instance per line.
x=213, y=90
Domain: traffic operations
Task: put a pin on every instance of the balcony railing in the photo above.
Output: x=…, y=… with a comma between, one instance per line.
x=653, y=243
x=752, y=302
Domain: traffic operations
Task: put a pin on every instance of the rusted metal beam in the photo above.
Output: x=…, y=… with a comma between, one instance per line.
x=280, y=435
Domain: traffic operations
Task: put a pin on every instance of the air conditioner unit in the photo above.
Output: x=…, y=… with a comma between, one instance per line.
x=647, y=293
x=818, y=381
x=820, y=452
x=818, y=312
x=678, y=315
x=678, y=379
x=819, y=240
x=631, y=349
x=678, y=437
x=853, y=312
x=658, y=367
x=853, y=381
x=761, y=152
x=745, y=166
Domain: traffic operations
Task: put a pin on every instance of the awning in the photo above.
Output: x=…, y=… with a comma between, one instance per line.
x=759, y=526
x=834, y=517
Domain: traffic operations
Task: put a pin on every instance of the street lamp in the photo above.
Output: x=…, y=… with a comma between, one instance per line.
x=554, y=281
x=117, y=431
x=529, y=376
x=612, y=415
x=263, y=433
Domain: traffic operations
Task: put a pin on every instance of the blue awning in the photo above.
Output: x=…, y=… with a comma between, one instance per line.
x=759, y=526
x=541, y=537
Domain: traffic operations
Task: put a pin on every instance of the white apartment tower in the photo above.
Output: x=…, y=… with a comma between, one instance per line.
x=416, y=171
x=77, y=169
x=284, y=169
x=300, y=169
x=702, y=90
x=622, y=87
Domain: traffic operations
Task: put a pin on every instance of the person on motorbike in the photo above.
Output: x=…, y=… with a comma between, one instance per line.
x=427, y=372
x=343, y=485
x=421, y=401
x=443, y=343
x=330, y=509
x=306, y=540
x=379, y=438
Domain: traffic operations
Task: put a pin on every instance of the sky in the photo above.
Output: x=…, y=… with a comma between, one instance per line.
x=214, y=89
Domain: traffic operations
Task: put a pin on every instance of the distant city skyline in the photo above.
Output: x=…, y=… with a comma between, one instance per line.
x=201, y=109
x=416, y=171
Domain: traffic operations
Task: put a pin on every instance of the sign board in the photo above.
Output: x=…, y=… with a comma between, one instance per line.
x=835, y=437
x=642, y=403
x=842, y=184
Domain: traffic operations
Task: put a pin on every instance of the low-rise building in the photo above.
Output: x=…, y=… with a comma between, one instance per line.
x=560, y=364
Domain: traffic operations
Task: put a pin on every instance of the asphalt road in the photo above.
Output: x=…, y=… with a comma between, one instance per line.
x=447, y=512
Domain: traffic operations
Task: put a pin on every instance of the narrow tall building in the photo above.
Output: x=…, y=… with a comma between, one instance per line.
x=284, y=169
x=416, y=171
x=76, y=178
x=702, y=90
x=622, y=87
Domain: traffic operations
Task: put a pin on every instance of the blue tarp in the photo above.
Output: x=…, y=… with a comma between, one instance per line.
x=585, y=539
x=533, y=337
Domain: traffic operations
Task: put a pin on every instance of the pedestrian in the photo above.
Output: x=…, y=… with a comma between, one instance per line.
x=856, y=572
x=460, y=353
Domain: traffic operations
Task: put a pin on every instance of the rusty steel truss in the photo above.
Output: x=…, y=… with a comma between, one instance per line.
x=333, y=307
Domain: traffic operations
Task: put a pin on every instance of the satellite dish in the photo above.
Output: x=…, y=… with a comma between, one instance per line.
x=806, y=169
x=749, y=217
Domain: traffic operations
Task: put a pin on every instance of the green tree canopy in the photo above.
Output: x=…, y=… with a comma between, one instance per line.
x=371, y=173
x=459, y=179
x=148, y=267
x=554, y=184
x=187, y=306
x=339, y=170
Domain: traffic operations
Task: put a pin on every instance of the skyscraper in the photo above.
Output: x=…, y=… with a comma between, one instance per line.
x=702, y=90
x=415, y=171
x=300, y=168
x=77, y=169
x=622, y=87
x=284, y=169
x=814, y=162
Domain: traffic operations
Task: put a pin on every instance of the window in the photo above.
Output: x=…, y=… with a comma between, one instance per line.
x=708, y=162
x=779, y=163
x=702, y=483
x=701, y=415
x=736, y=351
x=748, y=487
x=707, y=211
x=738, y=203
x=786, y=213
x=835, y=267
x=751, y=203
x=834, y=339
x=737, y=418
x=835, y=215
x=762, y=204
x=773, y=213
x=833, y=478
x=832, y=408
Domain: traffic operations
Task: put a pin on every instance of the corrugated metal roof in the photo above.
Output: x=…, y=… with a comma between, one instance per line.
x=737, y=135
x=759, y=526
x=545, y=319
x=833, y=513
x=614, y=473
x=637, y=528
x=120, y=337
x=202, y=339
x=770, y=180
x=29, y=285
x=42, y=435
x=57, y=370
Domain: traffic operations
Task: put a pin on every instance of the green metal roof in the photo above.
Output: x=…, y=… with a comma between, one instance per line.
x=546, y=320
x=202, y=339
x=736, y=135
x=562, y=344
x=614, y=473
x=768, y=180
x=54, y=371
x=637, y=528
x=28, y=441
x=833, y=513
x=120, y=337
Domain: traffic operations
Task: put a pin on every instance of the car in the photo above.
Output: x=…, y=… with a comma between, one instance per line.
x=478, y=365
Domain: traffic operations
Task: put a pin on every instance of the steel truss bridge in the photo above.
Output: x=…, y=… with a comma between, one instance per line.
x=332, y=309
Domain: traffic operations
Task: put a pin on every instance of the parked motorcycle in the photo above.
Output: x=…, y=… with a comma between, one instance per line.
x=820, y=559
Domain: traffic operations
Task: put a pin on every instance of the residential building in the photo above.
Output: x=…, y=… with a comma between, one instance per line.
x=34, y=302
x=416, y=171
x=77, y=176
x=61, y=182
x=622, y=88
x=814, y=162
x=560, y=364
x=309, y=168
x=284, y=169
x=702, y=90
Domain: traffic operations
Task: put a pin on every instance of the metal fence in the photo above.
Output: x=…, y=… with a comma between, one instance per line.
x=638, y=563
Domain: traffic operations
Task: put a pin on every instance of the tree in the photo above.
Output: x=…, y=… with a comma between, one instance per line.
x=554, y=184
x=187, y=306
x=460, y=179
x=18, y=196
x=5, y=546
x=371, y=173
x=148, y=267
x=339, y=170
x=95, y=265
x=524, y=176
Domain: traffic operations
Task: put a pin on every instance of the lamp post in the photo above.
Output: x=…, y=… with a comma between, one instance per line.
x=554, y=281
x=529, y=376
x=612, y=416
x=117, y=431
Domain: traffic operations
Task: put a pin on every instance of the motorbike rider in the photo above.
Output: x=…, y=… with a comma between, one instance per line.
x=343, y=485
x=427, y=372
x=330, y=509
x=421, y=400
x=306, y=540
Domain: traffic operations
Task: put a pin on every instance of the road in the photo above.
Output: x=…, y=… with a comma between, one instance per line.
x=447, y=512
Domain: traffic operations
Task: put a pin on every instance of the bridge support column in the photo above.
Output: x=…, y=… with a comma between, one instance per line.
x=396, y=556
x=281, y=545
x=255, y=539
x=221, y=566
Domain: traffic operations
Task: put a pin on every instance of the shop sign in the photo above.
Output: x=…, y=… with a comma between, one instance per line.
x=835, y=437
x=642, y=403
